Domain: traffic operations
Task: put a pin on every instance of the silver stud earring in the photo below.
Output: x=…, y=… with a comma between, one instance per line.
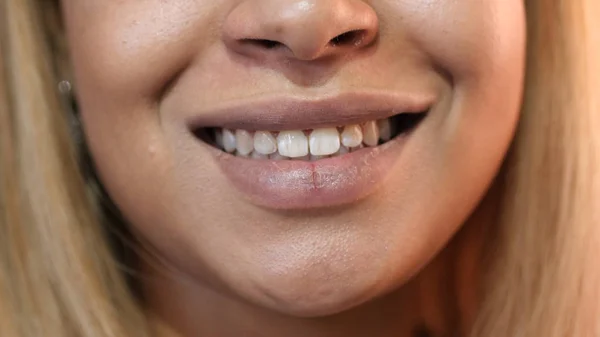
x=64, y=87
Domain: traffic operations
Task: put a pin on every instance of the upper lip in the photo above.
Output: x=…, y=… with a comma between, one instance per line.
x=276, y=113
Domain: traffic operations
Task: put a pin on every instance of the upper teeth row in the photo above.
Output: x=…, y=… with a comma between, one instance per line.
x=302, y=144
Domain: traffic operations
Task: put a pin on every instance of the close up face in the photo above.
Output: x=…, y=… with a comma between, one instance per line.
x=303, y=155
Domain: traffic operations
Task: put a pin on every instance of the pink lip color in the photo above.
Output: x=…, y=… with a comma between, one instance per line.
x=295, y=184
x=297, y=113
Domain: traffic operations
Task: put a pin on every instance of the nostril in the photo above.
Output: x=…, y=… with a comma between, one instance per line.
x=351, y=38
x=354, y=37
x=305, y=30
x=266, y=44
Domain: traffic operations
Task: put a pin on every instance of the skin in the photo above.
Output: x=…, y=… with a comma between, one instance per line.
x=223, y=266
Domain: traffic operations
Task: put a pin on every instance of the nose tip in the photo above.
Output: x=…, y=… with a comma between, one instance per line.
x=301, y=29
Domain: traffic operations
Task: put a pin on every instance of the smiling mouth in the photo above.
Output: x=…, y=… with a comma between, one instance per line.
x=298, y=153
x=309, y=144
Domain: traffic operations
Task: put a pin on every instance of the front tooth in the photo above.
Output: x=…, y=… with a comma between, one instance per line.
x=264, y=142
x=245, y=142
x=228, y=141
x=370, y=133
x=324, y=142
x=352, y=136
x=292, y=144
x=385, y=129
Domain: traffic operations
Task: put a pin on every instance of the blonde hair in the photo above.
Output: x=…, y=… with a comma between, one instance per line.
x=58, y=276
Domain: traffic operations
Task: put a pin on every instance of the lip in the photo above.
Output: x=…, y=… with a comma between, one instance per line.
x=278, y=113
x=296, y=184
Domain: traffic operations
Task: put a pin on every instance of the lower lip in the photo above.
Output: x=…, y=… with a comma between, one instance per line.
x=296, y=184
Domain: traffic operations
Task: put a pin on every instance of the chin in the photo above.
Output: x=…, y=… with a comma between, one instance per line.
x=317, y=301
x=320, y=289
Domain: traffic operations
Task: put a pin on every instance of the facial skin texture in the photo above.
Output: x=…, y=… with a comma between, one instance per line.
x=142, y=67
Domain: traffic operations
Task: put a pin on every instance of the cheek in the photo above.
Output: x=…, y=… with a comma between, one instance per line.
x=124, y=53
x=129, y=50
x=479, y=47
x=468, y=39
x=113, y=45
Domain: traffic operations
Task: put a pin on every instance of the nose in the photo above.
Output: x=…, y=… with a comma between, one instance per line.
x=300, y=29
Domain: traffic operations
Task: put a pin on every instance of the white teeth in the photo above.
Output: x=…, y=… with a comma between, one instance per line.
x=302, y=144
x=264, y=142
x=324, y=142
x=244, y=142
x=228, y=141
x=385, y=129
x=352, y=136
x=219, y=138
x=292, y=144
x=370, y=133
x=304, y=158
